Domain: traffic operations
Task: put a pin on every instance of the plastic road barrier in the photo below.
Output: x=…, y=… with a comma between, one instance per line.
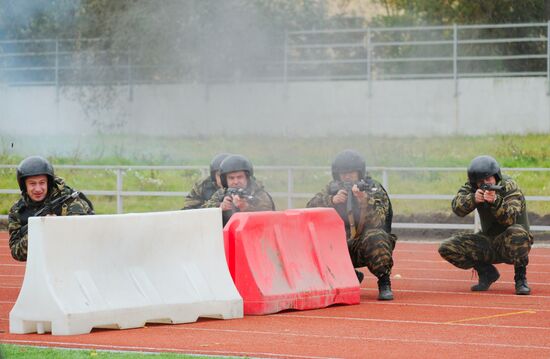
x=296, y=259
x=122, y=271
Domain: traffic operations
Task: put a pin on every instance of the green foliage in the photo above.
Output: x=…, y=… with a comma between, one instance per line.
x=465, y=11
x=195, y=39
x=38, y=19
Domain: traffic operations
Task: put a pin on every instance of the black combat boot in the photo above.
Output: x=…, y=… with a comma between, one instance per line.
x=384, y=288
x=487, y=274
x=522, y=288
x=359, y=275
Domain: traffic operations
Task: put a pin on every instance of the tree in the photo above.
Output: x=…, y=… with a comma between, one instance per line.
x=135, y=41
x=466, y=11
x=24, y=19
x=198, y=40
x=448, y=12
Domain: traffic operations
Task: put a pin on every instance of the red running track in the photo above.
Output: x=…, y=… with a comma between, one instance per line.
x=434, y=314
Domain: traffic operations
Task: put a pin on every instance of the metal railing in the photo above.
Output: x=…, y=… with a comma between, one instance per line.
x=372, y=53
x=451, y=52
x=290, y=195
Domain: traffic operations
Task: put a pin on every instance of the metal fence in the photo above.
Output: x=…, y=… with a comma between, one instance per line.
x=452, y=52
x=290, y=194
x=372, y=53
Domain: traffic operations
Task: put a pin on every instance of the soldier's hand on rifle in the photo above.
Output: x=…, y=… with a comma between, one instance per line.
x=479, y=197
x=340, y=197
x=489, y=196
x=240, y=203
x=227, y=203
x=360, y=195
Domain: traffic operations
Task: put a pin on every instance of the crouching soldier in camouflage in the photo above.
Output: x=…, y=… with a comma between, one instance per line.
x=366, y=209
x=42, y=194
x=504, y=236
x=241, y=192
x=203, y=190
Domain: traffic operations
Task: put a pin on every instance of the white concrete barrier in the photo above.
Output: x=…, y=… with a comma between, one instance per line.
x=122, y=271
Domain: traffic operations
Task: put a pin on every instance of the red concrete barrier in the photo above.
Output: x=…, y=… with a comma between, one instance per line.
x=296, y=259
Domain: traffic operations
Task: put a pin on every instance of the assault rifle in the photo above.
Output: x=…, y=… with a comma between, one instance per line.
x=490, y=187
x=241, y=192
x=49, y=208
x=348, y=186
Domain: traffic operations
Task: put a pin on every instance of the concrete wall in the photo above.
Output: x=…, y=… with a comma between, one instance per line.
x=396, y=108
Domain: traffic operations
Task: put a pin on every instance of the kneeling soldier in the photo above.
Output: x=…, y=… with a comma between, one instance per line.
x=366, y=209
x=504, y=236
x=203, y=190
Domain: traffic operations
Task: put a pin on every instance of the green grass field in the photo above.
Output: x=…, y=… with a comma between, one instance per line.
x=510, y=151
x=10, y=351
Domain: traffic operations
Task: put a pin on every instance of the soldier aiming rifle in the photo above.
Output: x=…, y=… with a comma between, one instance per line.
x=504, y=235
x=241, y=192
x=42, y=194
x=366, y=210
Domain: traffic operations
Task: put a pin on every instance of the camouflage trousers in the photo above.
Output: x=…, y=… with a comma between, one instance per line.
x=465, y=250
x=373, y=250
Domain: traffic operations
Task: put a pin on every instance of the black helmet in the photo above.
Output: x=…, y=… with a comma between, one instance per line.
x=215, y=164
x=34, y=166
x=348, y=161
x=234, y=163
x=482, y=167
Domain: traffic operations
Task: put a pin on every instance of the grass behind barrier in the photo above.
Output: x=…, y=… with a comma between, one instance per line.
x=9, y=351
x=510, y=151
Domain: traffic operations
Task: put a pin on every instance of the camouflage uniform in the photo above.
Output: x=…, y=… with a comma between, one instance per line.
x=261, y=200
x=504, y=236
x=25, y=207
x=373, y=244
x=201, y=192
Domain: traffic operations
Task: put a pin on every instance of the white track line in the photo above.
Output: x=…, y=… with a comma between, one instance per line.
x=336, y=337
x=156, y=349
x=447, y=263
x=434, y=251
x=427, y=280
x=414, y=322
x=484, y=294
x=362, y=338
x=422, y=261
x=457, y=270
x=397, y=303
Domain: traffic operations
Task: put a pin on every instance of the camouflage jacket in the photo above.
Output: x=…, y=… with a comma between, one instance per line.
x=509, y=207
x=374, y=211
x=201, y=192
x=260, y=200
x=25, y=207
